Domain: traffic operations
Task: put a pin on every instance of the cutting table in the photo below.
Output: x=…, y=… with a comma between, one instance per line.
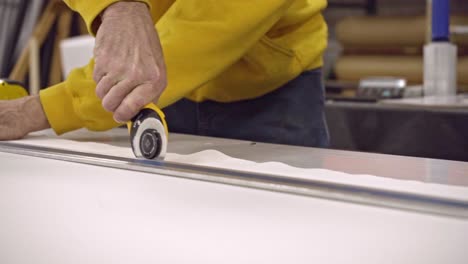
x=65, y=205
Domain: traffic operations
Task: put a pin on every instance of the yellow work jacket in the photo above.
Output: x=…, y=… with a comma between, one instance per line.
x=221, y=50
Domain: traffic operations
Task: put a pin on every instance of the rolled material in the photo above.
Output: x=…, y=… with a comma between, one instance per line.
x=391, y=32
x=462, y=69
x=385, y=31
x=440, y=56
x=352, y=68
x=440, y=69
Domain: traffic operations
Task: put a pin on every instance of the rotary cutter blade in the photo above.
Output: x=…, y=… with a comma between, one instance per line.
x=148, y=133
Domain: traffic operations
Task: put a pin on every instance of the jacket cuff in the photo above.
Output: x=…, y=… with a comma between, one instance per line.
x=58, y=107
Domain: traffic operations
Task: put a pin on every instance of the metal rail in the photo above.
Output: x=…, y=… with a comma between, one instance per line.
x=296, y=186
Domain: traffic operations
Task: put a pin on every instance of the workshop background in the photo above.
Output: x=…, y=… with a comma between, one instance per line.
x=372, y=44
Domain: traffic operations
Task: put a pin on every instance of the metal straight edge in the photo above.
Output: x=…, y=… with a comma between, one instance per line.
x=297, y=186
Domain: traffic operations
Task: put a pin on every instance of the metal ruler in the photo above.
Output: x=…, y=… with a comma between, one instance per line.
x=284, y=184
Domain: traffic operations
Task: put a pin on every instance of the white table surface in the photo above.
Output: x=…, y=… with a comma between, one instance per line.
x=60, y=212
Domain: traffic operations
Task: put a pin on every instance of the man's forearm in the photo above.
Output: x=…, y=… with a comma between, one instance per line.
x=20, y=117
x=90, y=10
x=119, y=8
x=35, y=118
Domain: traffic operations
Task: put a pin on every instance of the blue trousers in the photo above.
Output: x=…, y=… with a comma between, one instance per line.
x=292, y=115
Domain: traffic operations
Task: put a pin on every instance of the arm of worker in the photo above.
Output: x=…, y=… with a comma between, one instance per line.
x=129, y=65
x=91, y=11
x=20, y=117
x=75, y=103
x=199, y=43
x=200, y=40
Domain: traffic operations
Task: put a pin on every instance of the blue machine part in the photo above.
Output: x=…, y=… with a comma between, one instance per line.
x=440, y=20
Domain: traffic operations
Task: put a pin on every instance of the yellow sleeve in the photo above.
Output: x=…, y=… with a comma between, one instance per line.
x=73, y=104
x=201, y=39
x=90, y=10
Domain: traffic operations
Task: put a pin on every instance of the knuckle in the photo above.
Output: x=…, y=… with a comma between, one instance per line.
x=126, y=111
x=134, y=77
x=125, y=108
x=136, y=102
x=139, y=74
x=99, y=71
x=159, y=86
x=119, y=67
x=96, y=74
x=99, y=93
x=102, y=87
x=154, y=76
x=120, y=116
x=96, y=49
x=101, y=52
x=99, y=60
x=156, y=91
x=162, y=83
x=108, y=103
x=105, y=105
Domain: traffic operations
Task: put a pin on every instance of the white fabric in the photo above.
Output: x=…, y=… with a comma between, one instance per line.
x=56, y=212
x=212, y=158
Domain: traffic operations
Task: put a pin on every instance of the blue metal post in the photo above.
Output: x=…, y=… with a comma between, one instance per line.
x=440, y=20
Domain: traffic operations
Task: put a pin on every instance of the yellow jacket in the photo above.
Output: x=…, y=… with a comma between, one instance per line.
x=220, y=50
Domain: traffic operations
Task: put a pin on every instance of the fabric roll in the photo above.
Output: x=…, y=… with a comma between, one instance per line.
x=390, y=32
x=354, y=67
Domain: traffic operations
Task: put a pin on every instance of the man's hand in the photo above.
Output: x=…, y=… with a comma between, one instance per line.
x=20, y=117
x=129, y=65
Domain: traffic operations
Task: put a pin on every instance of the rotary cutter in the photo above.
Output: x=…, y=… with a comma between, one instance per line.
x=148, y=133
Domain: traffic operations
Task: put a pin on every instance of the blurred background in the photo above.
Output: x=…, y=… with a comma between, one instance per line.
x=373, y=70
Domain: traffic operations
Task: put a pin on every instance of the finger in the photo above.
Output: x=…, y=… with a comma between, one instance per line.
x=104, y=85
x=116, y=94
x=99, y=70
x=133, y=103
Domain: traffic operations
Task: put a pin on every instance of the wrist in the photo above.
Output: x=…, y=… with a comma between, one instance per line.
x=124, y=7
x=35, y=118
